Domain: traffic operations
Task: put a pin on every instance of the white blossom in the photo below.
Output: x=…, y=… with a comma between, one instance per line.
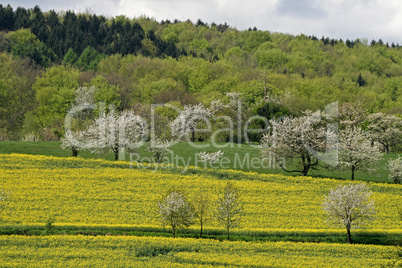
x=210, y=158
x=175, y=210
x=304, y=138
x=116, y=131
x=85, y=95
x=384, y=129
x=82, y=113
x=349, y=206
x=217, y=106
x=188, y=119
x=74, y=140
x=356, y=152
x=395, y=169
x=351, y=114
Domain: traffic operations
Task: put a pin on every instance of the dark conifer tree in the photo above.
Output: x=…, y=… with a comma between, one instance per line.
x=38, y=24
x=21, y=18
x=6, y=18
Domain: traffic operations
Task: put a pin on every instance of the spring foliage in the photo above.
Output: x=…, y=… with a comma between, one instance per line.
x=385, y=129
x=188, y=119
x=159, y=148
x=210, y=158
x=175, y=210
x=350, y=206
x=301, y=138
x=229, y=208
x=356, y=152
x=395, y=170
x=115, y=132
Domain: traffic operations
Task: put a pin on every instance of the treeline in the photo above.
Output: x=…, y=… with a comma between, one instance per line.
x=46, y=56
x=64, y=31
x=67, y=30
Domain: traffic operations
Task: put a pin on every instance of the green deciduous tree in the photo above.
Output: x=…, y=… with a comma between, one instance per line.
x=70, y=58
x=24, y=44
x=55, y=95
x=89, y=59
x=202, y=207
x=105, y=92
x=229, y=208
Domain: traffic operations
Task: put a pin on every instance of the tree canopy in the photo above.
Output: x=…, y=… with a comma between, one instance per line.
x=140, y=60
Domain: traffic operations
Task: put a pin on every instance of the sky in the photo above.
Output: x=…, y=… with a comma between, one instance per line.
x=346, y=19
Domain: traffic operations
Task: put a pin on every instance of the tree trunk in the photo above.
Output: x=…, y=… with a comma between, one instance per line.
x=353, y=173
x=192, y=135
x=349, y=236
x=174, y=231
x=116, y=155
x=228, y=233
x=201, y=230
x=306, y=165
x=305, y=170
x=74, y=152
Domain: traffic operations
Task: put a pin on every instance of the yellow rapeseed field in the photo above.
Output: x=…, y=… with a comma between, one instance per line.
x=97, y=192
x=108, y=251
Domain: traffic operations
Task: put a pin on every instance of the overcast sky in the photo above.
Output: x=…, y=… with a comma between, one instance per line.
x=371, y=19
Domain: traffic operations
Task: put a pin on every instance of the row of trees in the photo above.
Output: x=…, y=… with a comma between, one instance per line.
x=349, y=206
x=313, y=140
x=177, y=210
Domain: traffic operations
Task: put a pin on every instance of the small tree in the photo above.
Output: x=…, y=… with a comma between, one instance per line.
x=4, y=196
x=395, y=168
x=356, y=152
x=202, y=208
x=385, y=129
x=229, y=208
x=349, y=206
x=188, y=119
x=84, y=101
x=175, y=210
x=210, y=158
x=71, y=141
x=160, y=149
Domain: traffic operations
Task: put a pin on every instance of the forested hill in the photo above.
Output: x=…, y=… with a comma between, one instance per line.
x=46, y=56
